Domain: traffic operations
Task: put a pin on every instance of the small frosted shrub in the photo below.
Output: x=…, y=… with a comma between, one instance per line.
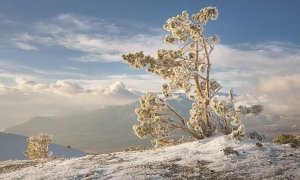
x=293, y=140
x=37, y=147
x=186, y=68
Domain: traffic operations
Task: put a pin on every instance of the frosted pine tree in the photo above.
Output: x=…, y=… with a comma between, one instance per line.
x=37, y=147
x=187, y=68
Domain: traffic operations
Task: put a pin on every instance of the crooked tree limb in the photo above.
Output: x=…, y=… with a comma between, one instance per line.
x=183, y=125
x=195, y=135
x=182, y=120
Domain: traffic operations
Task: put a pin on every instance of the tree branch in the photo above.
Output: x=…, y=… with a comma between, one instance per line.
x=197, y=70
x=182, y=120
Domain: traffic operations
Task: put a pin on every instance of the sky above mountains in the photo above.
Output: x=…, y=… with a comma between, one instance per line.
x=57, y=55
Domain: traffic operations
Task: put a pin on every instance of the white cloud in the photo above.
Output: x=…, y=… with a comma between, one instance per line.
x=77, y=22
x=96, y=39
x=97, y=57
x=3, y=89
x=25, y=37
x=68, y=89
x=118, y=88
x=25, y=46
x=278, y=94
x=284, y=58
x=70, y=19
x=97, y=47
x=277, y=84
x=141, y=83
x=281, y=93
x=243, y=68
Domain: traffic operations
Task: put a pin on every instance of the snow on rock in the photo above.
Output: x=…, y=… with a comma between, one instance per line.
x=194, y=160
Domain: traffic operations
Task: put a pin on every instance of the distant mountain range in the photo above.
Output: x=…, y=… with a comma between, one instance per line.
x=110, y=129
x=12, y=147
x=102, y=130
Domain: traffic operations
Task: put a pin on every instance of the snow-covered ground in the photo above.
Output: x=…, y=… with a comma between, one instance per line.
x=192, y=160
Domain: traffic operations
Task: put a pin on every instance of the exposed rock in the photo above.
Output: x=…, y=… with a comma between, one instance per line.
x=259, y=145
x=229, y=150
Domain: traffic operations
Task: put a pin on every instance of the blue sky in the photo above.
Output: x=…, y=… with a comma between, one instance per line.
x=66, y=48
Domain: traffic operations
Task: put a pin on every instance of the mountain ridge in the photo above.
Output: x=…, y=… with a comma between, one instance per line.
x=110, y=129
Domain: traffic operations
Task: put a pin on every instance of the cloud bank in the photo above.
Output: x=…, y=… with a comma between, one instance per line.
x=281, y=94
x=28, y=98
x=68, y=89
